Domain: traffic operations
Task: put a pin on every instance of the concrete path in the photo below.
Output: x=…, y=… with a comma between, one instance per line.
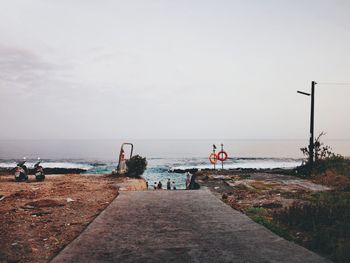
x=178, y=226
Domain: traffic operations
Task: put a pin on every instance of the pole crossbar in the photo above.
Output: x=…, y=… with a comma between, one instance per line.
x=304, y=93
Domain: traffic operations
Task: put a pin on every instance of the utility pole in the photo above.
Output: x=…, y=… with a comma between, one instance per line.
x=312, y=117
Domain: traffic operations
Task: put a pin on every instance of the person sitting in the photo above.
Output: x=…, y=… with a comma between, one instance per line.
x=160, y=186
x=174, y=186
x=193, y=184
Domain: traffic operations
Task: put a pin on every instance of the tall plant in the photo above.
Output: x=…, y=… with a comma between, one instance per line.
x=321, y=151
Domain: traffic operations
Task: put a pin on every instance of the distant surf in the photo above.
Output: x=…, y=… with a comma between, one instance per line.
x=164, y=164
x=50, y=164
x=161, y=169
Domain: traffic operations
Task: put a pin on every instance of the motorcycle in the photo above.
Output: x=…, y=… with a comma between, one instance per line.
x=39, y=171
x=21, y=172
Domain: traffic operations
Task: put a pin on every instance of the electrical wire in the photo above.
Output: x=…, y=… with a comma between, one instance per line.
x=334, y=83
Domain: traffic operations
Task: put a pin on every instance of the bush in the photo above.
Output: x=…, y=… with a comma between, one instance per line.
x=252, y=211
x=324, y=160
x=136, y=166
x=273, y=227
x=326, y=217
x=334, y=180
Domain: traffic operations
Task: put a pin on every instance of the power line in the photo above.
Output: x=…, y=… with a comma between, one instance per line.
x=334, y=83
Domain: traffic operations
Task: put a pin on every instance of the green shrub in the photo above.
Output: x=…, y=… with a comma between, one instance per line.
x=277, y=229
x=136, y=166
x=324, y=160
x=251, y=211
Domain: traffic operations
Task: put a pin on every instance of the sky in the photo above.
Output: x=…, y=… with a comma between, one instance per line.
x=173, y=69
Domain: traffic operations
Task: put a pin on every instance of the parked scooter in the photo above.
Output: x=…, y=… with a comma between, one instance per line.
x=21, y=171
x=39, y=171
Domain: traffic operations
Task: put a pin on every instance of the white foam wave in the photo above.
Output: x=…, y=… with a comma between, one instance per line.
x=67, y=165
x=246, y=164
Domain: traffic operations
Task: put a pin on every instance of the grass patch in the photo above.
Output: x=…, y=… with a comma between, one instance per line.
x=255, y=211
x=325, y=216
x=273, y=227
x=259, y=215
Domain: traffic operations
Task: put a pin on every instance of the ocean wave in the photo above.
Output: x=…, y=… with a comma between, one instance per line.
x=45, y=164
x=160, y=165
x=255, y=163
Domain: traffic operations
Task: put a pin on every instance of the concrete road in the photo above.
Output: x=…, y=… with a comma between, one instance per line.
x=178, y=226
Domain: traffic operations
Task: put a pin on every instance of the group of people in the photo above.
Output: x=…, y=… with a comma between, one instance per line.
x=169, y=185
x=191, y=183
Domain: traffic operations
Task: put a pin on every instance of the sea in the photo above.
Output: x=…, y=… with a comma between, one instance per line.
x=163, y=156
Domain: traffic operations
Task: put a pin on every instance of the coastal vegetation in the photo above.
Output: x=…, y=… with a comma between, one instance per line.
x=319, y=220
x=309, y=205
x=324, y=220
x=136, y=166
x=322, y=217
x=325, y=160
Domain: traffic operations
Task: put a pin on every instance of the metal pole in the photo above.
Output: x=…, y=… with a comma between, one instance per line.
x=214, y=153
x=311, y=144
x=222, y=162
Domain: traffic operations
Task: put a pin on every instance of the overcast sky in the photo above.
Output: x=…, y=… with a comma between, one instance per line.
x=173, y=69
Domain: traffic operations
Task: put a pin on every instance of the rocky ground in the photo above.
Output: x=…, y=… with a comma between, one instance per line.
x=261, y=195
x=243, y=190
x=38, y=219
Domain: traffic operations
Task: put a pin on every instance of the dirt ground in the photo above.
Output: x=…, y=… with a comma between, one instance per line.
x=38, y=219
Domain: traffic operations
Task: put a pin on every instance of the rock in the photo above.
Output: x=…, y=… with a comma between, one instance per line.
x=205, y=177
x=70, y=200
x=43, y=203
x=269, y=204
x=63, y=171
x=28, y=207
x=182, y=171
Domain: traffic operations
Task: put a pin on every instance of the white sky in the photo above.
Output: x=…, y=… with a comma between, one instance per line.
x=172, y=69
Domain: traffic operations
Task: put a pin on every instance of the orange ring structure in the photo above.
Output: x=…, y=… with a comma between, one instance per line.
x=213, y=158
x=222, y=156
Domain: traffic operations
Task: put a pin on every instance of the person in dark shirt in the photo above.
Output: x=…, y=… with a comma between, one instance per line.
x=193, y=184
x=160, y=186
